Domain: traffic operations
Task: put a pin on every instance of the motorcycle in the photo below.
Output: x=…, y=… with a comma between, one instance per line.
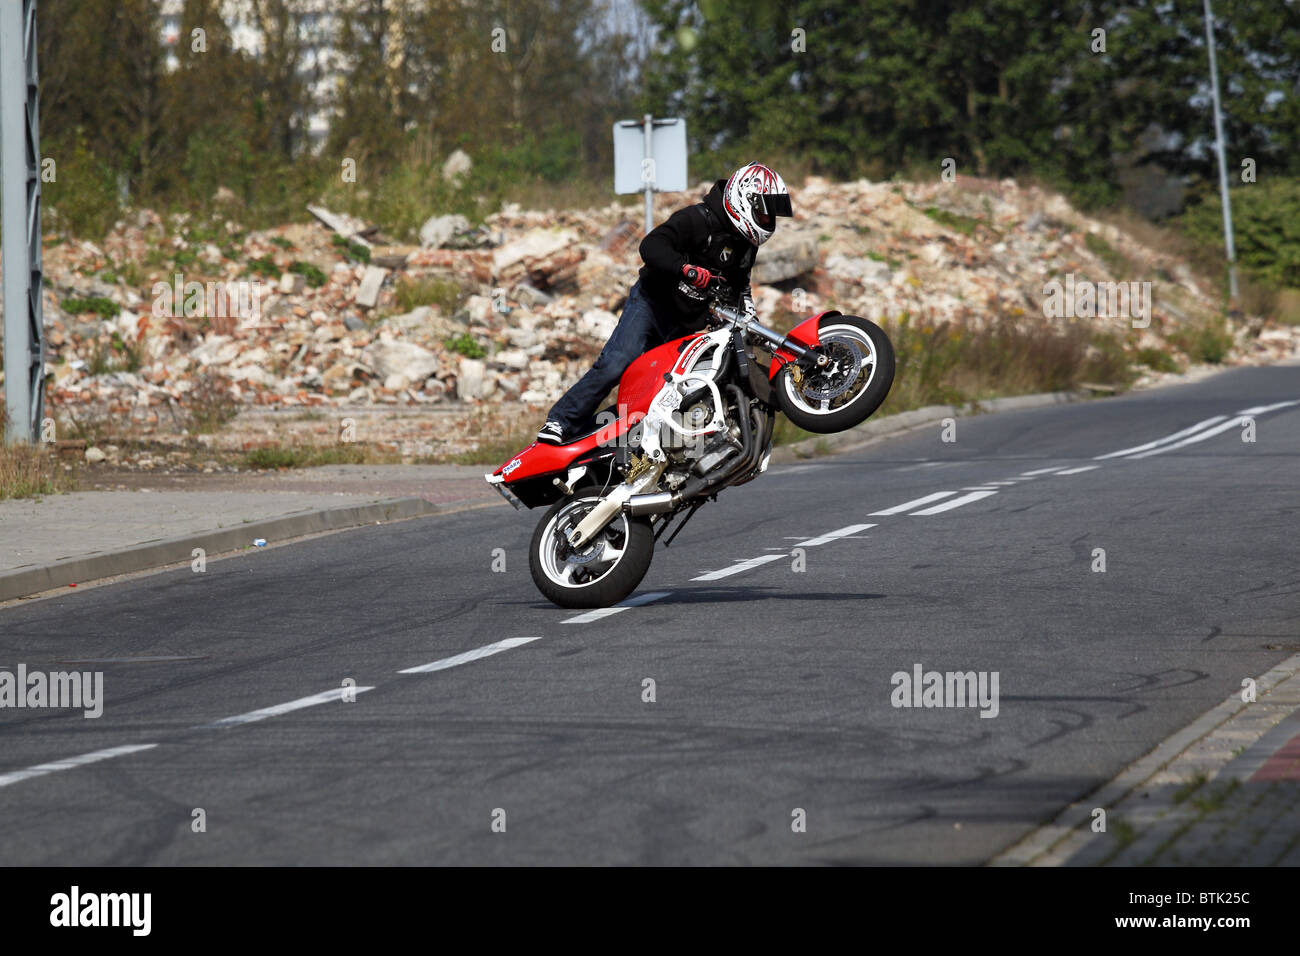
x=694, y=416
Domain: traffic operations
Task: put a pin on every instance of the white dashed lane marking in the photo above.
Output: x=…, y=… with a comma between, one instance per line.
x=909, y=505
x=324, y=697
x=1042, y=471
x=41, y=770
x=830, y=536
x=739, y=566
x=478, y=653
x=1076, y=471
x=954, y=503
x=636, y=601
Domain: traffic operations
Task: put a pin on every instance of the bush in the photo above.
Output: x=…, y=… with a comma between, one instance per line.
x=1158, y=359
x=1208, y=341
x=945, y=363
x=1264, y=217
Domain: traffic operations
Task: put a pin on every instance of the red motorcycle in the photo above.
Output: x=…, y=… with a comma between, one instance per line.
x=694, y=416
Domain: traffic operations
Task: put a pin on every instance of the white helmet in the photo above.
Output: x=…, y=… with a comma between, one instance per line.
x=753, y=197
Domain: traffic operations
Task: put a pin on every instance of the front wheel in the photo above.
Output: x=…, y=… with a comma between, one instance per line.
x=606, y=570
x=846, y=391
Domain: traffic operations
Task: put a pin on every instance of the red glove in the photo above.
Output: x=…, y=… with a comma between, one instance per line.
x=697, y=276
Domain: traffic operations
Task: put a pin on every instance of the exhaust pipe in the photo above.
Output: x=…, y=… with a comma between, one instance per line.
x=653, y=504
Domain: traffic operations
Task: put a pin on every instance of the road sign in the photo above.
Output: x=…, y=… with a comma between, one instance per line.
x=649, y=157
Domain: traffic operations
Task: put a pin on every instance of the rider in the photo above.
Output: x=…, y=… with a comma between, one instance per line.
x=717, y=237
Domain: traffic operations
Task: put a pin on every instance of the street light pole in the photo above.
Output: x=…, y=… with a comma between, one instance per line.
x=1223, y=167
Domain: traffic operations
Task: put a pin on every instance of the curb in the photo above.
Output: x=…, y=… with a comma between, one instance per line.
x=890, y=425
x=23, y=582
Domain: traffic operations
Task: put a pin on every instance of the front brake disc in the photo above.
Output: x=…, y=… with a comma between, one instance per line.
x=846, y=359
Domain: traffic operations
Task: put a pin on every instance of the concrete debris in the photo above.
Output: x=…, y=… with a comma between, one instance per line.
x=438, y=231
x=499, y=319
x=371, y=280
x=457, y=166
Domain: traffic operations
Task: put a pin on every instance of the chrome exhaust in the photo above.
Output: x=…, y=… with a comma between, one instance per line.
x=652, y=504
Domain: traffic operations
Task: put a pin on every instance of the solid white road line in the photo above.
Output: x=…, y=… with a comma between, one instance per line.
x=252, y=716
x=736, y=568
x=487, y=650
x=41, y=770
x=955, y=503
x=1042, y=471
x=1261, y=409
x=830, y=536
x=908, y=506
x=1076, y=471
x=1198, y=437
x=1162, y=441
x=636, y=601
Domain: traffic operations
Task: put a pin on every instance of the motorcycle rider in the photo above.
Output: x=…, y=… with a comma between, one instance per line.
x=718, y=236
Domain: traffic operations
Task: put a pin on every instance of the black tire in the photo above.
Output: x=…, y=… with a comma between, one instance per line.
x=848, y=331
x=612, y=585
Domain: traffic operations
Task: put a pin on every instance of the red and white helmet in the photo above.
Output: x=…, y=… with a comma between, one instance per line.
x=753, y=197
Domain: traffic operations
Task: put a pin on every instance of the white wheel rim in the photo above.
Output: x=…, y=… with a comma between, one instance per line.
x=829, y=333
x=561, y=571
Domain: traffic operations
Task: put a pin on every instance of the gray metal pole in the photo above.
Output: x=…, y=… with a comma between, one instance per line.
x=649, y=183
x=1223, y=167
x=21, y=183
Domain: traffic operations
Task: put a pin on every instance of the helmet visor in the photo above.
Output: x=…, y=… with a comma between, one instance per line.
x=775, y=204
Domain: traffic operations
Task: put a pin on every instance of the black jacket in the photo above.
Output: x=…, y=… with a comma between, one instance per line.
x=700, y=235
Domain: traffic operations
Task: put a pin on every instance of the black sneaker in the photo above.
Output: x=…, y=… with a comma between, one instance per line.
x=552, y=433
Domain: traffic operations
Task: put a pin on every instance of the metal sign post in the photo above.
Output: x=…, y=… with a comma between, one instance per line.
x=20, y=177
x=649, y=157
x=1223, y=168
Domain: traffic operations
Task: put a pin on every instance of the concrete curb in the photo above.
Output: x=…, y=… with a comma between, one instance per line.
x=876, y=428
x=22, y=582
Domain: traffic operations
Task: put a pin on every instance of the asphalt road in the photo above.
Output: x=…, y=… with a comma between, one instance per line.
x=772, y=685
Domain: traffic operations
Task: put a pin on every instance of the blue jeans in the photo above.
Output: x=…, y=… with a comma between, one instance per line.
x=643, y=325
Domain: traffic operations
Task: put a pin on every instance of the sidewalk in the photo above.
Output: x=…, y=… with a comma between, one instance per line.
x=1224, y=791
x=60, y=540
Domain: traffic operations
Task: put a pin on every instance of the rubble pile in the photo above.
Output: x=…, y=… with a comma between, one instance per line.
x=498, y=320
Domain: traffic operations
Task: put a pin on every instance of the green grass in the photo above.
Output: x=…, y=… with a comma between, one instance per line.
x=1190, y=787
x=1213, y=800
x=315, y=277
x=953, y=220
x=446, y=294
x=264, y=266
x=104, y=307
x=353, y=250
x=1115, y=261
x=465, y=345
x=306, y=456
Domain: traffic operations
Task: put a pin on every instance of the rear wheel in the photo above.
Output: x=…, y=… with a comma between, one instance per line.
x=847, y=390
x=604, y=571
